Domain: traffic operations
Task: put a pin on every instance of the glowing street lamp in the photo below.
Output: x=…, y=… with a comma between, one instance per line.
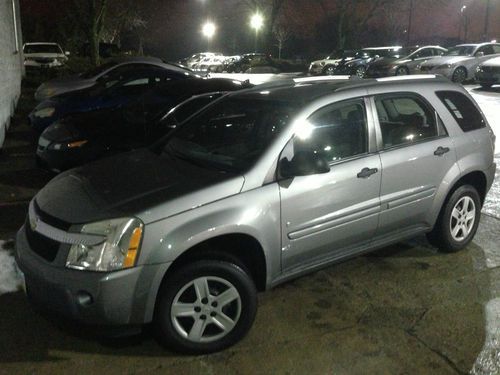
x=208, y=31
x=256, y=23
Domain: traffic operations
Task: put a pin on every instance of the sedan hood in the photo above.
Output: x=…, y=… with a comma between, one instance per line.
x=492, y=62
x=132, y=184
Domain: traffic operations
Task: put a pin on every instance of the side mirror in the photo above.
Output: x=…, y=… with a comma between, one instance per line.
x=304, y=163
x=480, y=54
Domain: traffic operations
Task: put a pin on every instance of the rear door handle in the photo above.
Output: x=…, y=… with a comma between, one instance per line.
x=440, y=151
x=367, y=172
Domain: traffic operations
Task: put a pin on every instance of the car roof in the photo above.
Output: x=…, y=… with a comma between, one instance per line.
x=40, y=43
x=302, y=91
x=380, y=48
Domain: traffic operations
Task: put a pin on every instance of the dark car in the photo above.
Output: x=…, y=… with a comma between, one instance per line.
x=357, y=66
x=249, y=60
x=114, y=91
x=403, y=62
x=488, y=73
x=81, y=138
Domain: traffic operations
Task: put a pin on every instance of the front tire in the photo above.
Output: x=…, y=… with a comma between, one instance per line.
x=205, y=307
x=360, y=71
x=329, y=70
x=459, y=75
x=458, y=220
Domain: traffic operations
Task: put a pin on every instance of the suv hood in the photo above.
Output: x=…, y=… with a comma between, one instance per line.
x=132, y=184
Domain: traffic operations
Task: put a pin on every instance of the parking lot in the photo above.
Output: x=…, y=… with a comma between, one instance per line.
x=405, y=309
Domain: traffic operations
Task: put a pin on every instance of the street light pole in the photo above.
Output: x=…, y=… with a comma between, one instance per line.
x=410, y=16
x=486, y=20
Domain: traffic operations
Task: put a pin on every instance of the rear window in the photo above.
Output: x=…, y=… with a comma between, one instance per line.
x=462, y=109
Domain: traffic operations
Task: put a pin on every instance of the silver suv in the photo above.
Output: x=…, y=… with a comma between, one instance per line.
x=257, y=188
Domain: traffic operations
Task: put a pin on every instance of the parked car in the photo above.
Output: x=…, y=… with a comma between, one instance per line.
x=460, y=62
x=101, y=73
x=197, y=57
x=115, y=90
x=256, y=189
x=327, y=65
x=44, y=55
x=249, y=60
x=80, y=138
x=210, y=64
x=403, y=62
x=358, y=65
x=488, y=73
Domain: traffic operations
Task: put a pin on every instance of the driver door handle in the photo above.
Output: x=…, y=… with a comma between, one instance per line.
x=440, y=151
x=367, y=172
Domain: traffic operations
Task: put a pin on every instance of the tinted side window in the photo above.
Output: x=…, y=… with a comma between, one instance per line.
x=339, y=132
x=404, y=120
x=462, y=109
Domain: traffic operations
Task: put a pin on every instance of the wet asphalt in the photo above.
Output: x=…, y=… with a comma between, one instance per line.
x=405, y=309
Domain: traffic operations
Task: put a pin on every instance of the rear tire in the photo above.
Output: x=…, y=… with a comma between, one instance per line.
x=402, y=71
x=458, y=220
x=193, y=317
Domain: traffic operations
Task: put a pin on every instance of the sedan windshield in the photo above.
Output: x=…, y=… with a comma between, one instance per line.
x=461, y=51
x=230, y=135
x=42, y=48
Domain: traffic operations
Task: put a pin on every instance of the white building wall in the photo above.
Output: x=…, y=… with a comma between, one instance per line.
x=11, y=62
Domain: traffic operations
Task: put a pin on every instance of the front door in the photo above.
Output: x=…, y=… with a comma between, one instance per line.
x=325, y=216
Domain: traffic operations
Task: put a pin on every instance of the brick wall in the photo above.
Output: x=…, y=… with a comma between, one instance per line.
x=11, y=62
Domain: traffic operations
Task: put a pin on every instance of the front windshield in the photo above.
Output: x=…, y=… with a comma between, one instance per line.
x=401, y=52
x=460, y=51
x=230, y=135
x=42, y=48
x=97, y=70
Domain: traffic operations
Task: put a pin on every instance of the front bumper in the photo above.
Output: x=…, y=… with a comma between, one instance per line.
x=41, y=65
x=125, y=297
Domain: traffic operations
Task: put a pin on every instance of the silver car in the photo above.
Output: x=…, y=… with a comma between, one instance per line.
x=460, y=62
x=488, y=73
x=101, y=73
x=257, y=188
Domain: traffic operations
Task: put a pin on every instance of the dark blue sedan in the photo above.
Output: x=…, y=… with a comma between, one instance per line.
x=113, y=92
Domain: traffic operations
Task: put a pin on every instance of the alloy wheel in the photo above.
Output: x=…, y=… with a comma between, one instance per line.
x=462, y=218
x=206, y=309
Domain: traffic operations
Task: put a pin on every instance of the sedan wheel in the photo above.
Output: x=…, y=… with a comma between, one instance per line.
x=402, y=71
x=205, y=307
x=360, y=71
x=329, y=70
x=459, y=75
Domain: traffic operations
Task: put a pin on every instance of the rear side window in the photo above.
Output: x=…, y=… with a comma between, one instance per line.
x=405, y=119
x=462, y=109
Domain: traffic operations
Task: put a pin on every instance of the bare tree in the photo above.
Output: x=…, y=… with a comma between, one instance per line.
x=281, y=34
x=90, y=16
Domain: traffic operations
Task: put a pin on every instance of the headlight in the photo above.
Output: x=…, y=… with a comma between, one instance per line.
x=118, y=251
x=445, y=66
x=70, y=144
x=45, y=112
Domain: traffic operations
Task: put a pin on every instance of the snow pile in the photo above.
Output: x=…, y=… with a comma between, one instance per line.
x=10, y=278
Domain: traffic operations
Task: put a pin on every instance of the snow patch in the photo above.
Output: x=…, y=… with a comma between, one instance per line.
x=488, y=361
x=10, y=277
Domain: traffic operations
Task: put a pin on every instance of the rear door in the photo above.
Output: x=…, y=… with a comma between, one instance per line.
x=416, y=154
